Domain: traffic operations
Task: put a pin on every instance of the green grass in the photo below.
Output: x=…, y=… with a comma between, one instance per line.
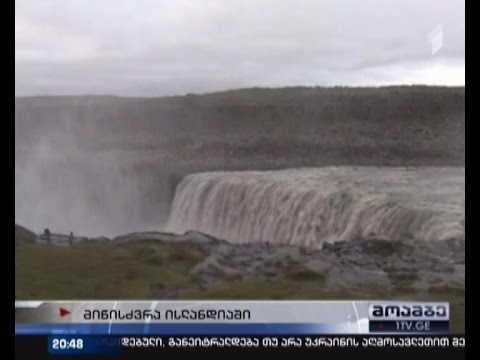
x=23, y=235
x=135, y=270
x=101, y=271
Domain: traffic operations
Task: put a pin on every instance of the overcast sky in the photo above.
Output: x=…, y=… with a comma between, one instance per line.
x=164, y=47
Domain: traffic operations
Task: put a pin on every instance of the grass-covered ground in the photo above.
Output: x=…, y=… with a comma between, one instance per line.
x=101, y=271
x=146, y=268
x=23, y=235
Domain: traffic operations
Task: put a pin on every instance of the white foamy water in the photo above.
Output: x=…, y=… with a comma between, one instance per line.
x=313, y=205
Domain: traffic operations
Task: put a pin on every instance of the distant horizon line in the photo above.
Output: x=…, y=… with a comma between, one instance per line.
x=239, y=89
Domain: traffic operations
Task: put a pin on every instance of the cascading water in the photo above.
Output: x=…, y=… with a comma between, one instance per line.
x=310, y=206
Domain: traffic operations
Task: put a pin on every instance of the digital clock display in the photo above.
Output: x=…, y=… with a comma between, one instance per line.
x=66, y=343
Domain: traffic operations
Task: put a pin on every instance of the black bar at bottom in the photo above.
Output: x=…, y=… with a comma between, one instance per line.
x=155, y=347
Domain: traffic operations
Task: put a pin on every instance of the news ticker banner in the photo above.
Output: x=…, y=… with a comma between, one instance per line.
x=148, y=346
x=230, y=317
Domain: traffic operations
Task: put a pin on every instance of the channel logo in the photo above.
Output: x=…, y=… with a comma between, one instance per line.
x=409, y=311
x=407, y=317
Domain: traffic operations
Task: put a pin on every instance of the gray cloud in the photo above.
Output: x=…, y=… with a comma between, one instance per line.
x=159, y=47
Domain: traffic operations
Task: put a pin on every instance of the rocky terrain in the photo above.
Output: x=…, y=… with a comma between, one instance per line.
x=354, y=265
x=194, y=265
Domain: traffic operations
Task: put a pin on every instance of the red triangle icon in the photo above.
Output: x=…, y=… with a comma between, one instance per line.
x=62, y=312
